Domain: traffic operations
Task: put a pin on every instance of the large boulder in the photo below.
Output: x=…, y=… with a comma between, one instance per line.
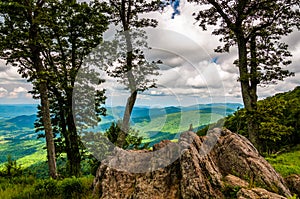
x=206, y=166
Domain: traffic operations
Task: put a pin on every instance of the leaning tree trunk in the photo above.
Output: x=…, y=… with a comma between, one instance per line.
x=45, y=107
x=126, y=119
x=129, y=74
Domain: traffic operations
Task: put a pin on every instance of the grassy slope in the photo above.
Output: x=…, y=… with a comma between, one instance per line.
x=286, y=163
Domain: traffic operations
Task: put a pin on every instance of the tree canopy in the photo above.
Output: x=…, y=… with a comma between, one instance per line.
x=65, y=32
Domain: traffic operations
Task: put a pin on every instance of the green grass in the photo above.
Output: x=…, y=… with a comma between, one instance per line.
x=286, y=163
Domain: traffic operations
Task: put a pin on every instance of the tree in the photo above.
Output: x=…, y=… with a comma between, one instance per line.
x=71, y=31
x=275, y=131
x=54, y=41
x=21, y=46
x=255, y=27
x=132, y=69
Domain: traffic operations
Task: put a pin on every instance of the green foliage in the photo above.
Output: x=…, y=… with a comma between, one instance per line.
x=132, y=139
x=203, y=131
x=278, y=121
x=48, y=41
x=72, y=188
x=72, y=30
x=293, y=197
x=28, y=187
x=230, y=191
x=48, y=187
x=11, y=168
x=94, y=164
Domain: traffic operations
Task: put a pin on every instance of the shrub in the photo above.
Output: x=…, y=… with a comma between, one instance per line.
x=132, y=140
x=72, y=188
x=47, y=187
x=11, y=168
x=230, y=191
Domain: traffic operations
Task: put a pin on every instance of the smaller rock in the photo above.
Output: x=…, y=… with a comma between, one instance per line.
x=293, y=182
x=257, y=193
x=235, y=181
x=161, y=145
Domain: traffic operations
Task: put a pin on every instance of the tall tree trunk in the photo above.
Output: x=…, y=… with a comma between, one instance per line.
x=45, y=107
x=73, y=152
x=35, y=49
x=69, y=132
x=247, y=91
x=48, y=129
x=254, y=128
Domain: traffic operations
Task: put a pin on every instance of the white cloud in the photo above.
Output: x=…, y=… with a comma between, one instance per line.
x=19, y=92
x=3, y=66
x=3, y=92
x=9, y=75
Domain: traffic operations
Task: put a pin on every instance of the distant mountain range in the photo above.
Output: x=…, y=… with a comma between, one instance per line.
x=8, y=111
x=19, y=139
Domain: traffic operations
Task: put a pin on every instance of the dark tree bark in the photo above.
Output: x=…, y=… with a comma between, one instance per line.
x=73, y=152
x=248, y=91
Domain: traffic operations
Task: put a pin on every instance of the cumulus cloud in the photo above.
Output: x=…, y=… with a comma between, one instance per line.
x=3, y=92
x=19, y=92
x=9, y=75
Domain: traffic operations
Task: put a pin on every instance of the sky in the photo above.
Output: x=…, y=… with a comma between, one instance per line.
x=191, y=73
